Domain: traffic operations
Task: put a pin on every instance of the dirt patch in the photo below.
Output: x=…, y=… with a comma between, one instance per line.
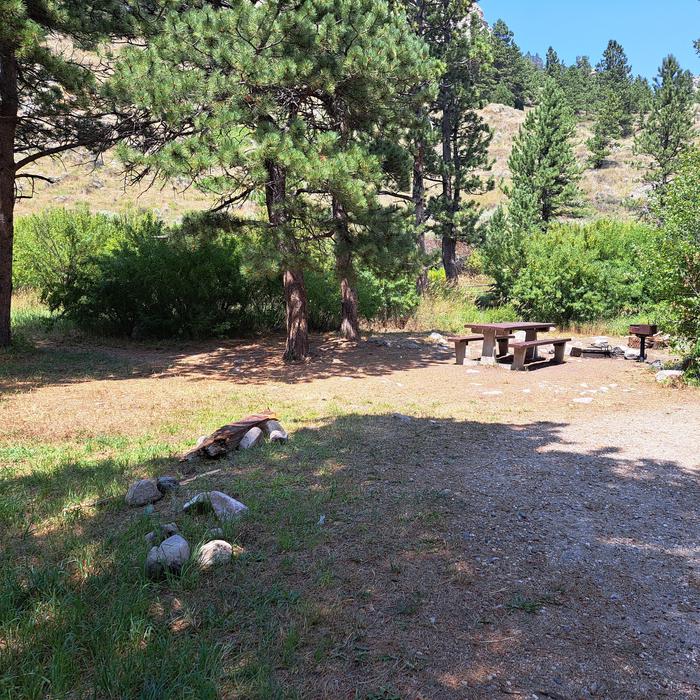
x=499, y=539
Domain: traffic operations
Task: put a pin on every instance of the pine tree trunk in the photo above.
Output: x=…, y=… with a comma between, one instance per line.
x=297, y=348
x=449, y=241
x=349, y=322
x=8, y=125
x=297, y=319
x=418, y=197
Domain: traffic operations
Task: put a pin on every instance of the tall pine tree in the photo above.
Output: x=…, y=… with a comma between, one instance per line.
x=260, y=100
x=543, y=166
x=669, y=131
x=615, y=75
x=606, y=128
x=49, y=97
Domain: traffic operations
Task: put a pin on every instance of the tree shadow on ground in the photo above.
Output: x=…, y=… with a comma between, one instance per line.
x=244, y=361
x=454, y=559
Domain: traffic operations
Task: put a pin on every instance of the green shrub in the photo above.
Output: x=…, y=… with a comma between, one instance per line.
x=160, y=283
x=673, y=264
x=582, y=273
x=51, y=248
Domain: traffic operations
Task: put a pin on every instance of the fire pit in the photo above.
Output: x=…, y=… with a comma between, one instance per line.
x=643, y=331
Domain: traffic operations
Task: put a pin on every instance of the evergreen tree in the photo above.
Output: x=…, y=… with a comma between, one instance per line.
x=669, y=130
x=606, y=129
x=578, y=83
x=260, y=100
x=510, y=75
x=553, y=66
x=543, y=167
x=615, y=75
x=49, y=98
x=458, y=38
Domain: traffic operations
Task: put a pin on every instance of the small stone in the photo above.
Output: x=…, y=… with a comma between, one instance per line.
x=215, y=533
x=402, y=418
x=167, y=483
x=667, y=374
x=142, y=492
x=252, y=438
x=214, y=553
x=169, y=529
x=656, y=364
x=631, y=355
x=149, y=509
x=225, y=507
x=169, y=557
x=585, y=399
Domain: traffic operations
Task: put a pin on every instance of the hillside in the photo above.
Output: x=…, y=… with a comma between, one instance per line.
x=610, y=191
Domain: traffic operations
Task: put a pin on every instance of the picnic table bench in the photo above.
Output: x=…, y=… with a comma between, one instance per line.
x=491, y=349
x=521, y=348
x=461, y=342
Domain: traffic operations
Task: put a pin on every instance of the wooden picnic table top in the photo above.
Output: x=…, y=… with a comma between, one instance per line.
x=511, y=326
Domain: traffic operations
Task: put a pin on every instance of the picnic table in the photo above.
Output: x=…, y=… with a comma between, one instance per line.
x=491, y=331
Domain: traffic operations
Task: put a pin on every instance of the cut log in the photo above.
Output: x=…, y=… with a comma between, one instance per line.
x=227, y=437
x=274, y=430
x=252, y=438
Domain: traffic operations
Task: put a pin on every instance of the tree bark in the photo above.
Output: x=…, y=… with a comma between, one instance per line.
x=449, y=241
x=418, y=196
x=8, y=125
x=297, y=319
x=349, y=320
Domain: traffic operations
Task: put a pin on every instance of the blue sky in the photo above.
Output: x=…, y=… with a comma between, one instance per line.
x=648, y=29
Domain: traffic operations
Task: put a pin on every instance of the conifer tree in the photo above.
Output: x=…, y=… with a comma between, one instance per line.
x=509, y=76
x=615, y=75
x=49, y=97
x=543, y=167
x=606, y=129
x=245, y=101
x=669, y=130
x=553, y=66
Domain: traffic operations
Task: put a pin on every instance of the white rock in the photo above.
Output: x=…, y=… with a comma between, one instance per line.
x=252, y=438
x=274, y=430
x=142, y=492
x=666, y=374
x=225, y=507
x=170, y=556
x=585, y=399
x=214, y=553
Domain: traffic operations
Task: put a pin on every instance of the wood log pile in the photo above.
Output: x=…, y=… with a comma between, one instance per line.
x=243, y=434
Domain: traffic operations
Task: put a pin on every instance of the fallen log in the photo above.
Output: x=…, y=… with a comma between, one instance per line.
x=227, y=437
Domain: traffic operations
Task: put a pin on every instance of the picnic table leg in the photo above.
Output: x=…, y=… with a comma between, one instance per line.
x=488, y=349
x=531, y=354
x=460, y=351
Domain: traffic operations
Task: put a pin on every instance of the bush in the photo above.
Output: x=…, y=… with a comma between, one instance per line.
x=673, y=264
x=52, y=247
x=159, y=283
x=582, y=273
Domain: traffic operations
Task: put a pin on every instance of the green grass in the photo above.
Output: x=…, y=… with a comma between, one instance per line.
x=78, y=618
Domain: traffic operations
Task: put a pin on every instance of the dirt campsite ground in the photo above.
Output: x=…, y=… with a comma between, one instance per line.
x=430, y=531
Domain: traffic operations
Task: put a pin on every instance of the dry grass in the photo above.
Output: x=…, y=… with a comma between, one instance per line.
x=468, y=552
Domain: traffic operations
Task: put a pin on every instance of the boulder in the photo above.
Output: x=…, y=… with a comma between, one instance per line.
x=666, y=374
x=167, y=483
x=169, y=557
x=274, y=430
x=214, y=553
x=252, y=438
x=142, y=492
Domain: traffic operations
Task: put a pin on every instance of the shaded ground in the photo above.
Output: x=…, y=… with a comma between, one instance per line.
x=496, y=539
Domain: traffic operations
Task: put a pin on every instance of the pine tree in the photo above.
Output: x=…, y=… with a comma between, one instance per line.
x=542, y=164
x=669, y=130
x=49, y=98
x=615, y=75
x=553, y=66
x=606, y=129
x=261, y=100
x=509, y=75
